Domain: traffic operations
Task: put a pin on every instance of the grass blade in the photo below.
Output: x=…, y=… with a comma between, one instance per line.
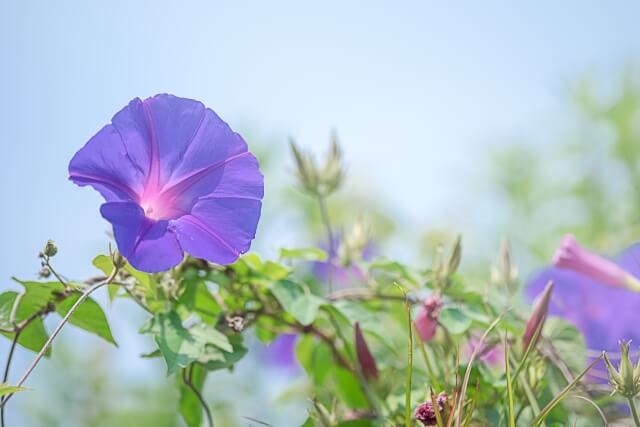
x=549, y=407
x=465, y=381
x=512, y=419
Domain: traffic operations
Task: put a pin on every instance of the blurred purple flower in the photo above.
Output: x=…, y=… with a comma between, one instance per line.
x=426, y=321
x=603, y=313
x=176, y=179
x=342, y=276
x=280, y=352
x=489, y=355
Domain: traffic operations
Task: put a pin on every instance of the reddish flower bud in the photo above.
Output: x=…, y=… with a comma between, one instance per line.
x=427, y=319
x=538, y=317
x=365, y=358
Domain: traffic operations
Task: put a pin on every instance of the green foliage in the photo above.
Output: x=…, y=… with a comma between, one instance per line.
x=180, y=345
x=296, y=300
x=88, y=316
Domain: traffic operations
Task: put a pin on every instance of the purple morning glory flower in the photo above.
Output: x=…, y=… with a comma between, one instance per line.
x=591, y=296
x=281, y=352
x=176, y=179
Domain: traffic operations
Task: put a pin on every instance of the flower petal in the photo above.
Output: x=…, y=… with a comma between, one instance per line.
x=218, y=229
x=600, y=312
x=104, y=164
x=148, y=245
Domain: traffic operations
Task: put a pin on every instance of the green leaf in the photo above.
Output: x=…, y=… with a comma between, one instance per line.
x=348, y=388
x=189, y=404
x=296, y=300
x=38, y=295
x=9, y=389
x=315, y=357
x=197, y=299
x=88, y=316
x=181, y=346
x=454, y=320
x=567, y=341
x=306, y=254
x=34, y=335
x=104, y=264
x=214, y=359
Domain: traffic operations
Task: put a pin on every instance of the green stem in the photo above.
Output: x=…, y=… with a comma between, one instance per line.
x=634, y=411
x=7, y=367
x=324, y=213
x=58, y=328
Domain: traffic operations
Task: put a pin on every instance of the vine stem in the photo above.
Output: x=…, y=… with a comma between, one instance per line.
x=324, y=213
x=634, y=411
x=58, y=328
x=7, y=367
x=187, y=379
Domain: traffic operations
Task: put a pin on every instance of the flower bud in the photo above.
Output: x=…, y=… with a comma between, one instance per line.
x=332, y=173
x=44, y=273
x=426, y=414
x=455, y=256
x=427, y=319
x=50, y=249
x=365, y=358
x=626, y=380
x=536, y=321
x=306, y=171
x=118, y=260
x=353, y=244
x=505, y=272
x=572, y=256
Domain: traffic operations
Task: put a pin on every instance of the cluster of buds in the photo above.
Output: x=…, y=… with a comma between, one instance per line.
x=535, y=323
x=317, y=181
x=366, y=361
x=50, y=250
x=426, y=321
x=426, y=412
x=625, y=380
x=505, y=272
x=353, y=244
x=442, y=271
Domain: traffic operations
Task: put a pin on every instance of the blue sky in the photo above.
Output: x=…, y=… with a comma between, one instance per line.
x=417, y=91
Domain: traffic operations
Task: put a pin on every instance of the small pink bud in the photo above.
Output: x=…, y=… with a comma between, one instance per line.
x=538, y=317
x=427, y=319
x=572, y=256
x=365, y=358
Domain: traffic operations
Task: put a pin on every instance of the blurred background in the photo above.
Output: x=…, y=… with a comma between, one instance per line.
x=487, y=119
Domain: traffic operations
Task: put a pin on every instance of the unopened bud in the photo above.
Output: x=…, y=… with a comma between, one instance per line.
x=50, y=249
x=455, y=256
x=44, y=272
x=332, y=173
x=306, y=170
x=626, y=380
x=365, y=358
x=536, y=321
x=118, y=260
x=353, y=244
x=505, y=272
